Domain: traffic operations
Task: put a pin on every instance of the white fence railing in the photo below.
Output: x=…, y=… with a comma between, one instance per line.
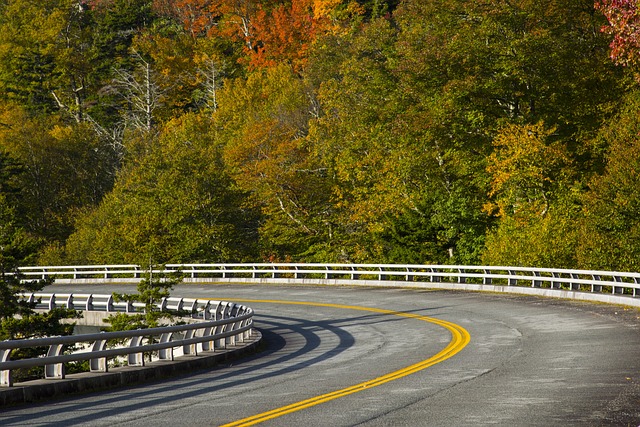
x=603, y=282
x=209, y=325
x=222, y=323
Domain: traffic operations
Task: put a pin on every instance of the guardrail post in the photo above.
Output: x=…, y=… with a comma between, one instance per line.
x=231, y=340
x=135, y=359
x=70, y=301
x=408, y=277
x=31, y=298
x=208, y=345
x=486, y=280
x=433, y=277
x=56, y=370
x=574, y=286
x=98, y=364
x=536, y=283
x=512, y=282
x=52, y=302
x=190, y=348
x=193, y=309
x=221, y=311
x=222, y=342
x=594, y=287
x=89, y=304
x=247, y=333
x=617, y=289
x=380, y=275
x=213, y=313
x=206, y=314
x=6, y=376
x=166, y=353
x=461, y=278
x=240, y=337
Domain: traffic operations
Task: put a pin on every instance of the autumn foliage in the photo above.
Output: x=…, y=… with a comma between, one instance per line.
x=444, y=131
x=624, y=25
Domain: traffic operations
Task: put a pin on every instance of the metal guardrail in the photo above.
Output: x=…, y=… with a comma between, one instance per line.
x=211, y=325
x=225, y=323
x=603, y=282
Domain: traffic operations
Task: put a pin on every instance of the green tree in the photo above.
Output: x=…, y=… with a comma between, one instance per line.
x=64, y=167
x=28, y=33
x=264, y=124
x=392, y=169
x=151, y=291
x=18, y=319
x=469, y=69
x=174, y=204
x=611, y=231
x=535, y=199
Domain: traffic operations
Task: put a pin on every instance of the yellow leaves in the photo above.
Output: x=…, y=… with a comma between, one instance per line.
x=33, y=22
x=523, y=168
x=324, y=8
x=61, y=133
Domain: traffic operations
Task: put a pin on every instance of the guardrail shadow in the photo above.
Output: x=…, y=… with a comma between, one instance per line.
x=269, y=363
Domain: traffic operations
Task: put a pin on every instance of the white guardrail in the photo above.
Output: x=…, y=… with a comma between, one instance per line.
x=227, y=322
x=209, y=325
x=596, y=282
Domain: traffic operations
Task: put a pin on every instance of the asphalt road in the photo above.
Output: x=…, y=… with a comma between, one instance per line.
x=530, y=361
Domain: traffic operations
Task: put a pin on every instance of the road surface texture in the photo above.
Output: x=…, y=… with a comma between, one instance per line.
x=529, y=361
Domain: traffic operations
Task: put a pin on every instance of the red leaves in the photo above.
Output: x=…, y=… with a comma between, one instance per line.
x=624, y=25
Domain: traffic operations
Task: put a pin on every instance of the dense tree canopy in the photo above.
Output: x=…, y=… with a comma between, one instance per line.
x=320, y=130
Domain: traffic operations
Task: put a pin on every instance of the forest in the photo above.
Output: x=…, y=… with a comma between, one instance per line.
x=498, y=132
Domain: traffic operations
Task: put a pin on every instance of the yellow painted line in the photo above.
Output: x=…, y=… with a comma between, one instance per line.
x=459, y=339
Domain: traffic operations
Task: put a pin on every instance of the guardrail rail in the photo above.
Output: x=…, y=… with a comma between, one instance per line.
x=210, y=325
x=600, y=282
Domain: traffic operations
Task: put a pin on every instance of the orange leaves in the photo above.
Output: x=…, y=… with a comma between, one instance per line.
x=264, y=154
x=271, y=32
x=285, y=32
x=284, y=35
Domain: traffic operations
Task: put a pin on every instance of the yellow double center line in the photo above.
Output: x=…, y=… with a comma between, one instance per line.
x=459, y=339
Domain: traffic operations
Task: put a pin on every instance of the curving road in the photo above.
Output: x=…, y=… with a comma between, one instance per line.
x=529, y=361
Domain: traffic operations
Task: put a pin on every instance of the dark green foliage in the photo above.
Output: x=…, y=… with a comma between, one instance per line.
x=611, y=231
x=18, y=319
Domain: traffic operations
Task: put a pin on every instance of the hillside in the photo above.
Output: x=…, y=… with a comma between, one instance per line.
x=414, y=131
